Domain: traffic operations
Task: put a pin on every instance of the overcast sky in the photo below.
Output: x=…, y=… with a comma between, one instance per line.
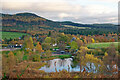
x=81, y=11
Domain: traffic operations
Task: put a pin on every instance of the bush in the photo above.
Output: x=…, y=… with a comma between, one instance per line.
x=25, y=57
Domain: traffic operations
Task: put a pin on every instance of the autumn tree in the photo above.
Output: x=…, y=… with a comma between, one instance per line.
x=79, y=42
x=93, y=41
x=91, y=60
x=48, y=40
x=46, y=46
x=28, y=43
x=74, y=45
x=53, y=40
x=87, y=39
x=61, y=46
x=111, y=57
x=63, y=38
x=11, y=60
x=39, y=47
x=19, y=56
x=48, y=53
x=36, y=57
x=81, y=54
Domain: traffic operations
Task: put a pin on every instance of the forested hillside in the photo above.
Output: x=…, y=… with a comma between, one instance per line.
x=27, y=22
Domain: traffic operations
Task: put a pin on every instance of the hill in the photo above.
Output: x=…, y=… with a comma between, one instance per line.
x=33, y=22
x=26, y=21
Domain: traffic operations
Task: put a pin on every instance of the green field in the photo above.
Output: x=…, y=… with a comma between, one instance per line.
x=102, y=45
x=11, y=35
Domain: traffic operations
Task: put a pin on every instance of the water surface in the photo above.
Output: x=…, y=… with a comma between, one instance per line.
x=67, y=64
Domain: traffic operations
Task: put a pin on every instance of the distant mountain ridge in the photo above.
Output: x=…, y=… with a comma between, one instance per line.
x=27, y=14
x=31, y=21
x=26, y=21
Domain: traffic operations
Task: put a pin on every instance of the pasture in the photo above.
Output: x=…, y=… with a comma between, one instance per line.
x=102, y=45
x=12, y=35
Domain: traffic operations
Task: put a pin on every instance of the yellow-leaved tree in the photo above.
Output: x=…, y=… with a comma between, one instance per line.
x=39, y=47
x=86, y=59
x=92, y=60
x=93, y=41
x=81, y=53
x=28, y=43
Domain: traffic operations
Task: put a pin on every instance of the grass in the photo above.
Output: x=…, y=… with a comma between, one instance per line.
x=11, y=35
x=63, y=56
x=102, y=45
x=56, y=56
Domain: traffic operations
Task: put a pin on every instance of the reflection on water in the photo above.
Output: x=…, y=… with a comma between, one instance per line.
x=67, y=64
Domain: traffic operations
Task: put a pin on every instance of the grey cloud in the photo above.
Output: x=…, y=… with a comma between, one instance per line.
x=64, y=11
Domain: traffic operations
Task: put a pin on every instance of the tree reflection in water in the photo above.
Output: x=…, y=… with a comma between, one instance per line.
x=67, y=64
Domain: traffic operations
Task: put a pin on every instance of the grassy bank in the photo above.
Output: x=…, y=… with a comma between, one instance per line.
x=63, y=56
x=56, y=56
